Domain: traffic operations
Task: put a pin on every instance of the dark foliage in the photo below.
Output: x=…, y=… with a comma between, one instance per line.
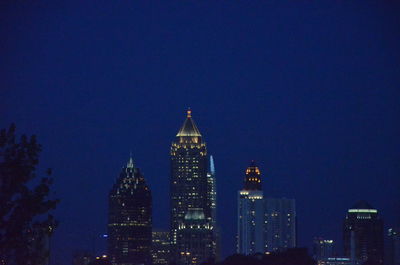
x=25, y=222
x=372, y=262
x=294, y=256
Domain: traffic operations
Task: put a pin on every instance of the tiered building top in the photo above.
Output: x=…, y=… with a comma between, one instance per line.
x=253, y=177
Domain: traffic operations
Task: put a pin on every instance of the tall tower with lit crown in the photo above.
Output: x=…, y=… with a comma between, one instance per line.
x=189, y=193
x=130, y=219
x=251, y=213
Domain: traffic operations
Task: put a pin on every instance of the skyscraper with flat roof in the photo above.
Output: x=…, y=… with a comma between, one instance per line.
x=190, y=189
x=363, y=234
x=130, y=219
x=250, y=231
x=280, y=224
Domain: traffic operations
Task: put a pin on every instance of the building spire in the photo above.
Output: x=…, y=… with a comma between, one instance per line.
x=212, y=166
x=130, y=163
x=189, y=128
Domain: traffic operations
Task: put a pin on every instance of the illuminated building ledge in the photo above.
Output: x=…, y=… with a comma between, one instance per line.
x=127, y=224
x=252, y=194
x=362, y=211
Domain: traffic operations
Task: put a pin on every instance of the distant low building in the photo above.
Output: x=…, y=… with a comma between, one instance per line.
x=101, y=260
x=82, y=258
x=264, y=224
x=160, y=250
x=393, y=255
x=323, y=249
x=338, y=261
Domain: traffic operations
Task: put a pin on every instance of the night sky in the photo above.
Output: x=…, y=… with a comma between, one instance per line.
x=308, y=89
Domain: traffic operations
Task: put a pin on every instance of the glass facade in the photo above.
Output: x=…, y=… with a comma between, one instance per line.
x=363, y=234
x=130, y=219
x=251, y=213
x=160, y=248
x=190, y=187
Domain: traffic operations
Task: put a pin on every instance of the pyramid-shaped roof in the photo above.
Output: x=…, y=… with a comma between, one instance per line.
x=189, y=127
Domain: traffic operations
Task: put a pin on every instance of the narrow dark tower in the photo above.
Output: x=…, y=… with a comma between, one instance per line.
x=129, y=220
x=189, y=191
x=363, y=234
x=212, y=200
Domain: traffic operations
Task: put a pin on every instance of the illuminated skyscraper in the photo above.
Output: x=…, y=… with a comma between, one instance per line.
x=280, y=224
x=160, y=248
x=363, y=234
x=264, y=224
x=82, y=258
x=251, y=214
x=189, y=188
x=129, y=223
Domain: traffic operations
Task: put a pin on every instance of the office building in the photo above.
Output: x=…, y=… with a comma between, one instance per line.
x=363, y=234
x=250, y=230
x=190, y=189
x=130, y=219
x=160, y=247
x=195, y=238
x=280, y=224
x=393, y=255
x=323, y=249
x=338, y=261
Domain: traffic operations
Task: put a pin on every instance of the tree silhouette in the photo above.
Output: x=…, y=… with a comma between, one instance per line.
x=293, y=256
x=25, y=222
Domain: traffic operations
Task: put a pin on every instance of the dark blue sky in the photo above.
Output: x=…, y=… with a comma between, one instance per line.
x=309, y=89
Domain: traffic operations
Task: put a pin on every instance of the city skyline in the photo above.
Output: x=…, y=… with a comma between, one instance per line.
x=249, y=183
x=307, y=90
